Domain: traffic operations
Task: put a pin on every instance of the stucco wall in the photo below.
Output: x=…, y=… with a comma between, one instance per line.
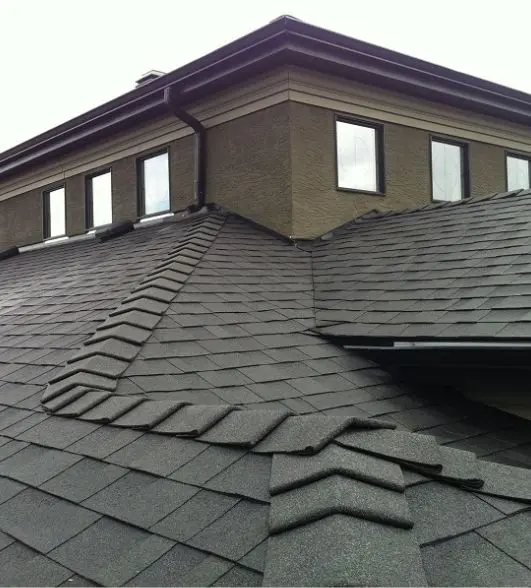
x=249, y=167
x=21, y=217
x=319, y=207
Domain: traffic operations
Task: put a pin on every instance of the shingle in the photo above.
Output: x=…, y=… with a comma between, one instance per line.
x=274, y=390
x=398, y=445
x=25, y=424
x=113, y=552
x=112, y=408
x=244, y=427
x=417, y=419
x=341, y=550
x=503, y=504
x=441, y=511
x=104, y=441
x=68, y=397
x=58, y=432
x=281, y=371
x=291, y=471
x=157, y=454
x=140, y=499
x=193, y=420
x=242, y=528
x=22, y=566
x=338, y=494
x=77, y=582
x=5, y=540
x=43, y=521
x=9, y=488
x=249, y=476
x=470, y=560
x=511, y=535
x=85, y=402
x=306, y=434
x=9, y=416
x=239, y=576
x=11, y=447
x=207, y=464
x=34, y=465
x=195, y=515
x=505, y=481
x=147, y=414
x=84, y=478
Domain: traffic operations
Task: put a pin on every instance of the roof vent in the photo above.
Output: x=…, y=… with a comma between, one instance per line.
x=148, y=77
x=7, y=253
x=115, y=230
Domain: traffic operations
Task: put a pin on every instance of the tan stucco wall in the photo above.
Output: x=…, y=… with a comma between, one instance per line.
x=319, y=207
x=249, y=167
x=21, y=218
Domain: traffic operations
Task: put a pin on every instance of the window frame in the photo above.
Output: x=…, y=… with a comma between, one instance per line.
x=515, y=155
x=46, y=216
x=379, y=129
x=465, y=169
x=89, y=200
x=141, y=196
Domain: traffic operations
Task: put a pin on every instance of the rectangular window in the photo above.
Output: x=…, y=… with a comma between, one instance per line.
x=154, y=184
x=518, y=172
x=359, y=156
x=99, y=199
x=54, y=213
x=448, y=170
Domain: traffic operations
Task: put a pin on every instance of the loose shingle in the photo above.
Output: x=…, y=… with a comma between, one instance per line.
x=112, y=408
x=341, y=550
x=505, y=481
x=193, y=420
x=85, y=402
x=43, y=521
x=147, y=414
x=291, y=471
x=338, y=494
x=470, y=560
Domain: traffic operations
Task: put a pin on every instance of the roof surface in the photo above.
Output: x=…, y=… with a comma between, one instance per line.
x=169, y=416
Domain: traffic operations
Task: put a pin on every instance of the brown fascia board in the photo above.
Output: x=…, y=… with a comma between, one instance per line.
x=285, y=41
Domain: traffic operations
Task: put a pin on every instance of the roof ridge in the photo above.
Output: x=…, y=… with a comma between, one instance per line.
x=108, y=353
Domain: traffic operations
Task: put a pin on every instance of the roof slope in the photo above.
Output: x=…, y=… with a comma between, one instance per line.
x=197, y=433
x=452, y=271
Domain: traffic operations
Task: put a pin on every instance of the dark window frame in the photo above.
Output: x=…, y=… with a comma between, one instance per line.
x=379, y=129
x=46, y=217
x=89, y=200
x=141, y=201
x=516, y=156
x=465, y=167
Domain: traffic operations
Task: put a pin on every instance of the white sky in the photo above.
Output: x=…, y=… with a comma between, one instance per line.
x=61, y=57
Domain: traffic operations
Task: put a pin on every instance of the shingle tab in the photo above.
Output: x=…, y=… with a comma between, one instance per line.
x=193, y=420
x=249, y=476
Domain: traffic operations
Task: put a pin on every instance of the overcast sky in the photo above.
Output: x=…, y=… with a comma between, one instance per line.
x=61, y=57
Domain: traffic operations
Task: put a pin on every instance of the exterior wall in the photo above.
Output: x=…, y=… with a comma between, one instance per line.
x=318, y=206
x=249, y=167
x=18, y=227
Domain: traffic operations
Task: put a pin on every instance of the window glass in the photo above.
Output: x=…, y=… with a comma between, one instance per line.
x=56, y=213
x=101, y=199
x=357, y=157
x=156, y=184
x=447, y=171
x=517, y=173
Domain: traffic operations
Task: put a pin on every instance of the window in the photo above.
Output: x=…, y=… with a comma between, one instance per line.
x=448, y=170
x=359, y=156
x=54, y=213
x=154, y=184
x=99, y=199
x=518, y=172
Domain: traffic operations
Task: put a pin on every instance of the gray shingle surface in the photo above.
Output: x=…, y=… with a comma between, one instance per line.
x=511, y=536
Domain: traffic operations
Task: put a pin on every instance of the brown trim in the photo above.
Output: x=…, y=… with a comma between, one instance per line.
x=89, y=201
x=141, y=204
x=285, y=41
x=379, y=150
x=465, y=164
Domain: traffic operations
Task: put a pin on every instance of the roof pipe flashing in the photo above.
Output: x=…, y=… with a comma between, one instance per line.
x=200, y=147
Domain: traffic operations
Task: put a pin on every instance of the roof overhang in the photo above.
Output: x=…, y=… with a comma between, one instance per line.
x=285, y=41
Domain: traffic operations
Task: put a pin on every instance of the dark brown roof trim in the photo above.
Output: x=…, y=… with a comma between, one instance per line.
x=285, y=41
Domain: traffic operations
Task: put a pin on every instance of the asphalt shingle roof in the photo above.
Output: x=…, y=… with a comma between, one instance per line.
x=195, y=429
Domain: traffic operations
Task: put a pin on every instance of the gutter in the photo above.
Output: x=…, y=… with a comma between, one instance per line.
x=442, y=345
x=200, y=146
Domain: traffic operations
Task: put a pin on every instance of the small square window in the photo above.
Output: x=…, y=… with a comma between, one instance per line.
x=359, y=156
x=518, y=172
x=448, y=171
x=99, y=199
x=154, y=184
x=54, y=213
